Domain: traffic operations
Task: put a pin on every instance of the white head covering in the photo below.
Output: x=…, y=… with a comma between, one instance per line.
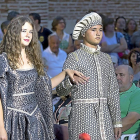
x=85, y=23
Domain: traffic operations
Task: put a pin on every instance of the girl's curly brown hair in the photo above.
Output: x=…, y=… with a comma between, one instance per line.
x=11, y=44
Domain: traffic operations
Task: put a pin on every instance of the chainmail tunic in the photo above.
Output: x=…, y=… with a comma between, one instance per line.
x=26, y=101
x=96, y=106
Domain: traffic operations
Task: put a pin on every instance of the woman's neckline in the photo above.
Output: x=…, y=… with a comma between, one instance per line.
x=25, y=69
x=110, y=35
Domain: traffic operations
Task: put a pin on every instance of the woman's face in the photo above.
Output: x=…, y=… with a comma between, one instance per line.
x=110, y=27
x=26, y=34
x=60, y=25
x=131, y=25
x=133, y=58
x=121, y=24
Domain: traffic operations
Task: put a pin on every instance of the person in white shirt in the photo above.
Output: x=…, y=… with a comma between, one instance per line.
x=55, y=57
x=54, y=60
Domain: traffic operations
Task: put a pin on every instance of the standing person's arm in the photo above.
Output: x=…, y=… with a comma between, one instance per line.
x=3, y=134
x=114, y=101
x=60, y=77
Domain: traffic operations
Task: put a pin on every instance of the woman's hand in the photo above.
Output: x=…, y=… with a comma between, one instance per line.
x=76, y=76
x=3, y=134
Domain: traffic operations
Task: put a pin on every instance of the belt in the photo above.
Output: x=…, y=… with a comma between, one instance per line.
x=101, y=101
x=88, y=101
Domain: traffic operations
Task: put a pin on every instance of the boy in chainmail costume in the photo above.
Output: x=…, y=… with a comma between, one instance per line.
x=95, y=104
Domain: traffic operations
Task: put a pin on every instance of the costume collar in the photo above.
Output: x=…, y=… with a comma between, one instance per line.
x=90, y=50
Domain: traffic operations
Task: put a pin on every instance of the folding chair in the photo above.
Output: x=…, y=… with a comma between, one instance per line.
x=130, y=136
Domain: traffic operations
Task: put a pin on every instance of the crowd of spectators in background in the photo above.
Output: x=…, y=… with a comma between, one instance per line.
x=121, y=40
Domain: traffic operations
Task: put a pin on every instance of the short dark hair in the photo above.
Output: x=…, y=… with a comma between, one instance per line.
x=107, y=21
x=36, y=16
x=56, y=21
x=12, y=15
x=4, y=25
x=119, y=18
x=117, y=21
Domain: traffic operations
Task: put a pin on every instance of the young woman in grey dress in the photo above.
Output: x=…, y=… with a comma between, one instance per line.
x=25, y=89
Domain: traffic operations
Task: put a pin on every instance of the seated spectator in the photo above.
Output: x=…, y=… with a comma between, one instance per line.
x=4, y=26
x=41, y=47
x=136, y=39
x=115, y=40
x=114, y=61
x=61, y=132
x=129, y=100
x=43, y=32
x=54, y=60
x=120, y=26
x=133, y=63
x=77, y=44
x=1, y=35
x=61, y=113
x=131, y=27
x=58, y=26
x=12, y=15
x=55, y=57
x=62, y=110
x=103, y=44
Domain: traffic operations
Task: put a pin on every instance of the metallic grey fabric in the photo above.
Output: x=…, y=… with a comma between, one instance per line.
x=96, y=106
x=89, y=20
x=26, y=101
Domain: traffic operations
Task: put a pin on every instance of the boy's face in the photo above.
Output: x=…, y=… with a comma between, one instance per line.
x=93, y=35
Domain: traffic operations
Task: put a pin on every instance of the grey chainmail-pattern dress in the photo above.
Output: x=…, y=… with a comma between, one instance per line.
x=26, y=101
x=95, y=105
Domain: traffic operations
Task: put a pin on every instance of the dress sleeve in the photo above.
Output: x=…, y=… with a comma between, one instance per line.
x=65, y=87
x=114, y=98
x=3, y=84
x=43, y=92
